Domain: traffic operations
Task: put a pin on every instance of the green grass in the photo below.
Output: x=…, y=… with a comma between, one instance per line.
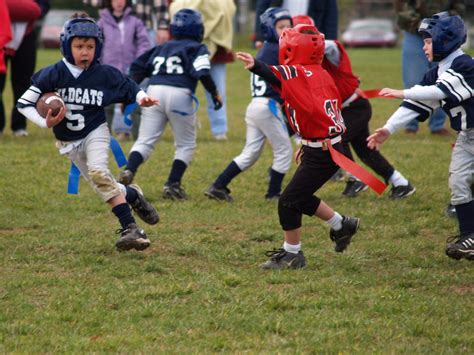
x=64, y=288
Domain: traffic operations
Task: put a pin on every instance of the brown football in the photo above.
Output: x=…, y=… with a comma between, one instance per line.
x=49, y=100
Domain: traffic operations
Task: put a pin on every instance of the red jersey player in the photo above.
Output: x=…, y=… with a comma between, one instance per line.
x=312, y=103
x=357, y=112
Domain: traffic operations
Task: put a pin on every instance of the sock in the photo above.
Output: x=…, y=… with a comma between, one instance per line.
x=292, y=248
x=335, y=221
x=227, y=175
x=123, y=214
x=465, y=212
x=177, y=172
x=131, y=195
x=274, y=186
x=398, y=179
x=135, y=159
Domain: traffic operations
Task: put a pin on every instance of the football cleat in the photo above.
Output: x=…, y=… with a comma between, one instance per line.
x=143, y=208
x=343, y=236
x=398, y=192
x=281, y=259
x=218, y=194
x=354, y=187
x=132, y=237
x=174, y=191
x=461, y=247
x=126, y=177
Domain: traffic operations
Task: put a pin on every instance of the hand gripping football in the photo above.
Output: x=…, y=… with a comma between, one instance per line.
x=49, y=100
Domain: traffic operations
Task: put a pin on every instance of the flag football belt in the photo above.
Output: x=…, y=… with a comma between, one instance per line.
x=74, y=173
x=321, y=143
x=348, y=165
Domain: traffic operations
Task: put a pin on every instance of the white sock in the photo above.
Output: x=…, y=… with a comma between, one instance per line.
x=335, y=221
x=292, y=248
x=398, y=179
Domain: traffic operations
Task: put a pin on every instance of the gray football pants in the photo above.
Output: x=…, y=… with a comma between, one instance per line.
x=176, y=108
x=461, y=169
x=262, y=124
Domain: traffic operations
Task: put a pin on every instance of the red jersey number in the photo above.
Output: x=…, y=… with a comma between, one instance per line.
x=330, y=107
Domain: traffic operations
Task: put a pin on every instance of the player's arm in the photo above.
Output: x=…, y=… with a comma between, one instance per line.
x=139, y=69
x=332, y=52
x=260, y=68
x=26, y=105
x=211, y=87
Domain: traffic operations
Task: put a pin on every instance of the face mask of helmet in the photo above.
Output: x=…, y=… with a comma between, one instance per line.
x=302, y=44
x=447, y=32
x=187, y=23
x=80, y=27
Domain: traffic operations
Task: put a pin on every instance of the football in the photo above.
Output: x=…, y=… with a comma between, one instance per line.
x=49, y=100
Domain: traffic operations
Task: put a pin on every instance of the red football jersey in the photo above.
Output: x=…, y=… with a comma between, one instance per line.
x=344, y=78
x=312, y=100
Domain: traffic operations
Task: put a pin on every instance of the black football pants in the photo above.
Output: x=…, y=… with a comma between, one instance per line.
x=356, y=117
x=315, y=169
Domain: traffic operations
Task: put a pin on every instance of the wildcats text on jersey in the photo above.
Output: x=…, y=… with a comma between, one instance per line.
x=82, y=96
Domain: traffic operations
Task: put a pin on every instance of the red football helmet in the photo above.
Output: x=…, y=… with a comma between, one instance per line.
x=302, y=44
x=302, y=20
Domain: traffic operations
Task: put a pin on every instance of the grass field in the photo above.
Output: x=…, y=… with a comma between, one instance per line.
x=198, y=289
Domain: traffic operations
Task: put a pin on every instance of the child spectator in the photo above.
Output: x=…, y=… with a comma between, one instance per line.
x=86, y=87
x=312, y=103
x=448, y=85
x=174, y=69
x=264, y=118
x=125, y=38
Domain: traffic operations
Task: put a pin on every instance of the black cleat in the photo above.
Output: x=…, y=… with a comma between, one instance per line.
x=343, y=236
x=461, y=247
x=143, y=208
x=281, y=259
x=132, y=237
x=174, y=191
x=218, y=194
x=398, y=192
x=354, y=187
x=126, y=177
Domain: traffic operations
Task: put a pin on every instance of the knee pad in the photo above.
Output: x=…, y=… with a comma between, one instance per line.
x=104, y=184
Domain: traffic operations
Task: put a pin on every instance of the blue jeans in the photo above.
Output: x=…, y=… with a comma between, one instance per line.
x=218, y=119
x=414, y=66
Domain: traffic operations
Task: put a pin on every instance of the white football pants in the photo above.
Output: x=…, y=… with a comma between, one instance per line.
x=262, y=124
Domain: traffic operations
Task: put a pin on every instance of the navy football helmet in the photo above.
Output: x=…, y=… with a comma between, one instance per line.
x=80, y=27
x=268, y=20
x=187, y=23
x=447, y=32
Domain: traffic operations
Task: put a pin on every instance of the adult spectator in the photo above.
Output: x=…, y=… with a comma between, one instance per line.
x=20, y=56
x=414, y=61
x=218, y=34
x=153, y=13
x=323, y=12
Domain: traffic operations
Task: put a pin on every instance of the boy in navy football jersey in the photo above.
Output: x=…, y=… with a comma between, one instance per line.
x=87, y=87
x=264, y=118
x=174, y=69
x=450, y=85
x=312, y=103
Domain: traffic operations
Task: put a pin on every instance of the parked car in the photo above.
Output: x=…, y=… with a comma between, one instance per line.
x=52, y=27
x=371, y=32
